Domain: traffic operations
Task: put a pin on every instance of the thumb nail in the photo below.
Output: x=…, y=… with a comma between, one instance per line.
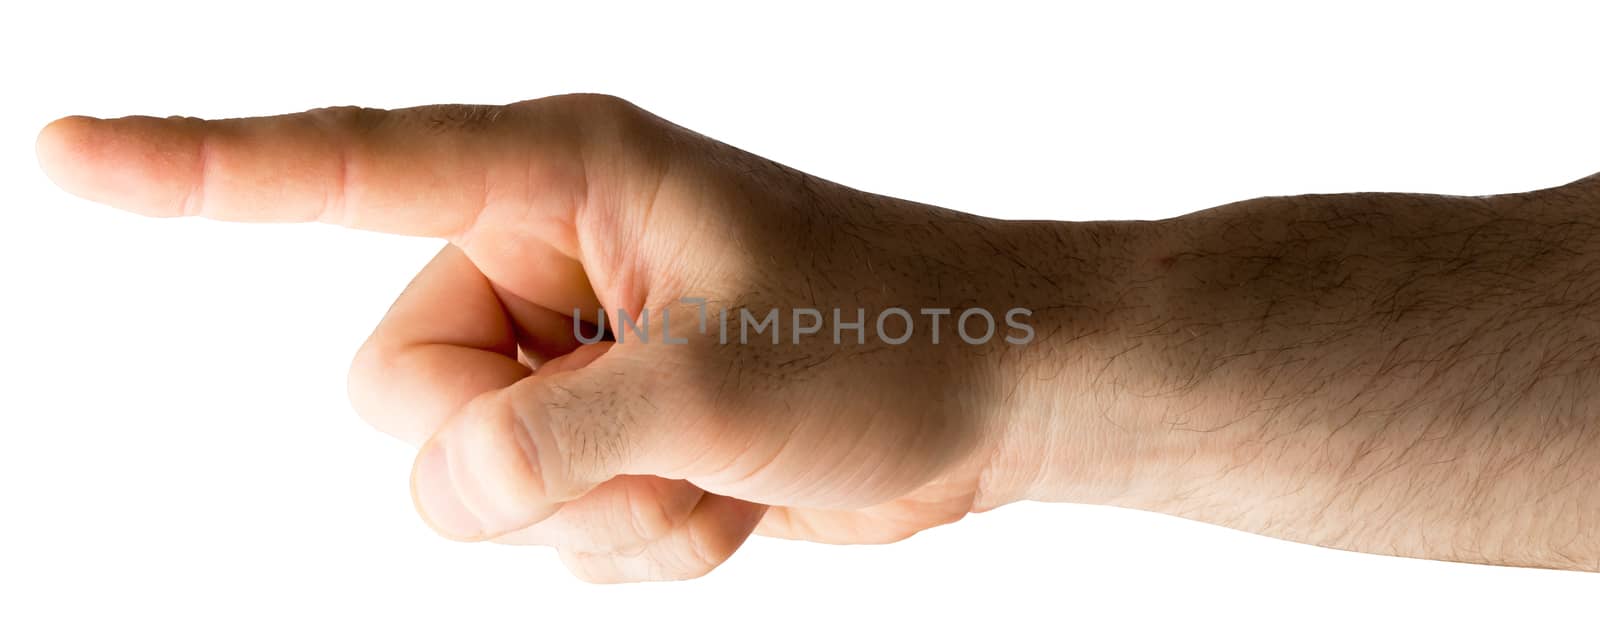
x=438, y=497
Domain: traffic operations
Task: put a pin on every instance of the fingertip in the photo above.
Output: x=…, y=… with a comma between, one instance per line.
x=139, y=164
x=58, y=146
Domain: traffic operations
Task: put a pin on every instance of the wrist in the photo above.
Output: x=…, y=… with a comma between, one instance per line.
x=1084, y=417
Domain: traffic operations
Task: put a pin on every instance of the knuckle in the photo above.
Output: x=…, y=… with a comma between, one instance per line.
x=601, y=105
x=647, y=519
x=578, y=426
x=362, y=381
x=370, y=386
x=349, y=118
x=609, y=121
x=503, y=447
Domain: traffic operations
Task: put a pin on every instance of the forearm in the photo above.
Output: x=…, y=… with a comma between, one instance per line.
x=1386, y=373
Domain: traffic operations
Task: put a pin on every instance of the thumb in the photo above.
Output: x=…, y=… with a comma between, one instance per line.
x=512, y=456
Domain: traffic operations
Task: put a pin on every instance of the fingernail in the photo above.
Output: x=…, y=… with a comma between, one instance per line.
x=438, y=498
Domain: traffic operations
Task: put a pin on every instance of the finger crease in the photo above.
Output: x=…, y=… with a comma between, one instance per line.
x=194, y=199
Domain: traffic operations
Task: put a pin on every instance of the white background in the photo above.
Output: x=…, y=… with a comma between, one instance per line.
x=179, y=460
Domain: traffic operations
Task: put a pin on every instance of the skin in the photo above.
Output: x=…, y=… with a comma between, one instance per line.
x=1392, y=373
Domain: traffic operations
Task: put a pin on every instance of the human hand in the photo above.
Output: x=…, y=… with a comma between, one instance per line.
x=638, y=459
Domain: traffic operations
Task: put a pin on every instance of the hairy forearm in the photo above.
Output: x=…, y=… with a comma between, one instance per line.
x=1401, y=374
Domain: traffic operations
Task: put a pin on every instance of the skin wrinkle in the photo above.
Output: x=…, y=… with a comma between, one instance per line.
x=194, y=199
x=698, y=549
x=522, y=434
x=339, y=195
x=335, y=205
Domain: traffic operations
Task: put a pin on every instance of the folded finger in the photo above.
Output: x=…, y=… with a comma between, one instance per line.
x=445, y=341
x=621, y=515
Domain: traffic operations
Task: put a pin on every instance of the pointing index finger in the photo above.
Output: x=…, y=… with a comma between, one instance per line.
x=425, y=171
